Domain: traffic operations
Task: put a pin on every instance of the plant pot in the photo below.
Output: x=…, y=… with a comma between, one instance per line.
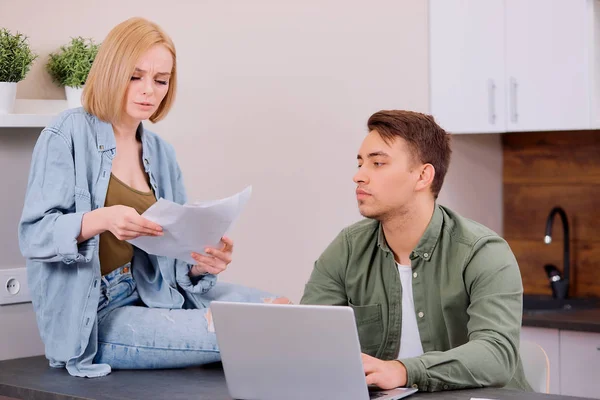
x=8, y=94
x=73, y=96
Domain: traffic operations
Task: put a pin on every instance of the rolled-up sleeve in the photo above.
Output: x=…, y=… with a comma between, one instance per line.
x=193, y=284
x=50, y=222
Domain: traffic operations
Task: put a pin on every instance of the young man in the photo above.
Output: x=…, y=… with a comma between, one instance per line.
x=437, y=297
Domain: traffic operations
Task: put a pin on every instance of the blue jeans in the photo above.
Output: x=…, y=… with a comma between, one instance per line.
x=133, y=336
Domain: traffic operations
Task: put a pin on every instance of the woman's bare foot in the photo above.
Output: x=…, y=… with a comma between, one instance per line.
x=277, y=300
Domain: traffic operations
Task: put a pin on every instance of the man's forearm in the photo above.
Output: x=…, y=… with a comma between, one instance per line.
x=481, y=362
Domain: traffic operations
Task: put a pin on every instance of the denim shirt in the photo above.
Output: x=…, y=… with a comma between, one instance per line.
x=69, y=176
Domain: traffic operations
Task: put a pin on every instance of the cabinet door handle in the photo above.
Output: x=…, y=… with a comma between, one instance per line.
x=514, y=115
x=492, y=101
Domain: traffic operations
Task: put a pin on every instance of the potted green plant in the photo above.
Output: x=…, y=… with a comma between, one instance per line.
x=15, y=60
x=70, y=66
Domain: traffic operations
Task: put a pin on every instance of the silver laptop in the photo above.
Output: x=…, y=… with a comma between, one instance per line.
x=292, y=352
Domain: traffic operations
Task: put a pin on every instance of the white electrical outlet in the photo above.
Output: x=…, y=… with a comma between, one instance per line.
x=13, y=286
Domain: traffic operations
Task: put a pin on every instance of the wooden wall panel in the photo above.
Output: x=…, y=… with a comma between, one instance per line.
x=552, y=157
x=543, y=170
x=532, y=255
x=526, y=209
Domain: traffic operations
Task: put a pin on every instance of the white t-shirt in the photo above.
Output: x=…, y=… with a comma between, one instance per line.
x=410, y=340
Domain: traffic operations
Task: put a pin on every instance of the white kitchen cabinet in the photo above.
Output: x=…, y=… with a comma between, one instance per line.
x=468, y=93
x=548, y=339
x=547, y=64
x=580, y=363
x=514, y=65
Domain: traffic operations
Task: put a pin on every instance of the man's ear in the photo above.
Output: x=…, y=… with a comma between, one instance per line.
x=426, y=177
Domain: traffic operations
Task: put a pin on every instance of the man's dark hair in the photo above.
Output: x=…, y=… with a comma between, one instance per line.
x=426, y=139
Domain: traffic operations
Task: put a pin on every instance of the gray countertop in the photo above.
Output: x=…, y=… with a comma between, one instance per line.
x=31, y=378
x=579, y=320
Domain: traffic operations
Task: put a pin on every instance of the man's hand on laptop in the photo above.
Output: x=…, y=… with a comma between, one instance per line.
x=384, y=374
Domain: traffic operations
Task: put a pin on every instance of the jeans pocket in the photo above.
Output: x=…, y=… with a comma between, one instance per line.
x=102, y=302
x=122, y=288
x=369, y=324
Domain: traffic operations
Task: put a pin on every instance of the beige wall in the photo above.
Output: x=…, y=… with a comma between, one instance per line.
x=274, y=94
x=473, y=186
x=18, y=332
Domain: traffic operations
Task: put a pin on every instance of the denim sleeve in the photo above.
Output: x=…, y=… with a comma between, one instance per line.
x=50, y=223
x=192, y=284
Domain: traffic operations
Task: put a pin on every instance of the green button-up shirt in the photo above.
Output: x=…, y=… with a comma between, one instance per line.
x=467, y=292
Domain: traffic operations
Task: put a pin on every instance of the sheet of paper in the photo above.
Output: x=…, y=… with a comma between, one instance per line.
x=191, y=227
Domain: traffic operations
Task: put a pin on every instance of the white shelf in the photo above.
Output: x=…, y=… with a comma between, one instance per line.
x=32, y=113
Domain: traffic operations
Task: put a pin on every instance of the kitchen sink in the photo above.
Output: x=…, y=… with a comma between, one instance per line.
x=534, y=304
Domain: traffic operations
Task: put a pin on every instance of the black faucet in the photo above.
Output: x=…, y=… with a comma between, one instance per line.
x=559, y=285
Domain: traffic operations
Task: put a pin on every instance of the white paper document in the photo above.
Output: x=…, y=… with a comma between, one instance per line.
x=191, y=227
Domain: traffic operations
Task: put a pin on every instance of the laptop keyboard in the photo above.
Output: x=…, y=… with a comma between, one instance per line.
x=376, y=395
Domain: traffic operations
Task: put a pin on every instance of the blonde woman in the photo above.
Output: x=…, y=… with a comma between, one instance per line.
x=99, y=301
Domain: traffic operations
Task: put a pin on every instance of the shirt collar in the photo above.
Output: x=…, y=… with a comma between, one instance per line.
x=105, y=136
x=428, y=241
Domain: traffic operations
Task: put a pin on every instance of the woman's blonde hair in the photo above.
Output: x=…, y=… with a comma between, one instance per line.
x=115, y=63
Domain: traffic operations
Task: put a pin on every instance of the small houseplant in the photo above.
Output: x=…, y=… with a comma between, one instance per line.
x=70, y=66
x=15, y=60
